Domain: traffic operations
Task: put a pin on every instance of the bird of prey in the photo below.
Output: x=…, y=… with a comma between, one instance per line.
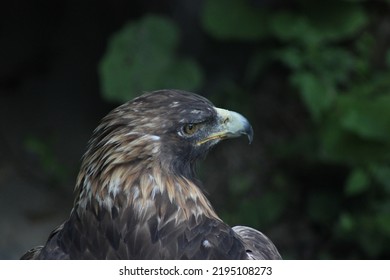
x=137, y=196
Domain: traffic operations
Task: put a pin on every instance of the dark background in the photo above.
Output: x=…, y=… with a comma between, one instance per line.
x=313, y=79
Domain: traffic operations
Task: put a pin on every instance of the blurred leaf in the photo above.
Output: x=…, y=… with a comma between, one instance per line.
x=292, y=56
x=356, y=130
x=364, y=46
x=141, y=57
x=381, y=174
x=367, y=229
x=49, y=163
x=332, y=64
x=287, y=26
x=370, y=232
x=368, y=117
x=335, y=20
x=319, y=22
x=357, y=182
x=234, y=19
x=339, y=145
x=317, y=94
x=184, y=74
x=346, y=223
x=375, y=85
x=383, y=222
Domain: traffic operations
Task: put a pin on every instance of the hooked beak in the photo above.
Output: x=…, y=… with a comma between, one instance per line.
x=230, y=125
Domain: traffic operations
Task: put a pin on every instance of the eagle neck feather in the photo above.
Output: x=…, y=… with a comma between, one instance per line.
x=132, y=177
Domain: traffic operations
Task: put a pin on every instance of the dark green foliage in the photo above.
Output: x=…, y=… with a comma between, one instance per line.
x=328, y=48
x=233, y=19
x=141, y=57
x=47, y=162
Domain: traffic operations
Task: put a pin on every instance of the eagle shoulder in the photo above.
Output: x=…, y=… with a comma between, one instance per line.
x=257, y=245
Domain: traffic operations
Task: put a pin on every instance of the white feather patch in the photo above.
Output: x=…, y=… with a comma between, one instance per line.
x=206, y=244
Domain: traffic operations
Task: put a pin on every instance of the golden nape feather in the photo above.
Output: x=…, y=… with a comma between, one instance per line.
x=137, y=196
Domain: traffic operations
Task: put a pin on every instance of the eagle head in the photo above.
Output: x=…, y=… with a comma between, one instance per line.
x=150, y=145
x=170, y=127
x=186, y=125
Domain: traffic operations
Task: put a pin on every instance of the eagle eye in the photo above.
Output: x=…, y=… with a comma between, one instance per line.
x=190, y=128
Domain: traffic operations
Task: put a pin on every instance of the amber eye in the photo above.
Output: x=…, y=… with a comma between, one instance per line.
x=190, y=128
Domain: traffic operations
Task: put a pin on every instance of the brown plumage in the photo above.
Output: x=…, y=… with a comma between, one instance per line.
x=137, y=196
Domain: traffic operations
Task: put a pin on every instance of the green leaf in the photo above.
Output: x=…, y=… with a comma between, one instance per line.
x=373, y=232
x=141, y=57
x=183, y=74
x=346, y=223
x=292, y=56
x=316, y=93
x=339, y=145
x=317, y=23
x=335, y=20
x=383, y=222
x=331, y=64
x=47, y=158
x=367, y=117
x=234, y=19
x=381, y=174
x=357, y=182
x=288, y=26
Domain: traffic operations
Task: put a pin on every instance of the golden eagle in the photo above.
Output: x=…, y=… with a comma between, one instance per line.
x=137, y=196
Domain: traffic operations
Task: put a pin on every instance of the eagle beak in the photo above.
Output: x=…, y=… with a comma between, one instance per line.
x=230, y=125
